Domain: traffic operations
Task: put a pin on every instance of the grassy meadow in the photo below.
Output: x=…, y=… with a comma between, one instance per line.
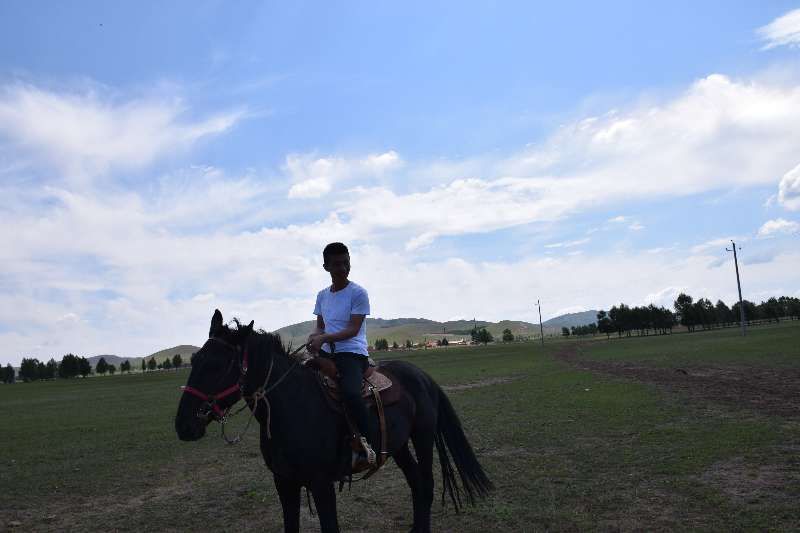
x=568, y=448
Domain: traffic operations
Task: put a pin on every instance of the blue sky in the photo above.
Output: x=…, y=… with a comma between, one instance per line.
x=159, y=161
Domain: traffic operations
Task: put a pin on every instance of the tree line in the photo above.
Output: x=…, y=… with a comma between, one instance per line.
x=71, y=366
x=646, y=320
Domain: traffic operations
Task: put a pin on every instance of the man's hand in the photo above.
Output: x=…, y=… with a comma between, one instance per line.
x=315, y=342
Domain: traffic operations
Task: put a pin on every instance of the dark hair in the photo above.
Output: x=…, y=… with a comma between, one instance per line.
x=334, y=248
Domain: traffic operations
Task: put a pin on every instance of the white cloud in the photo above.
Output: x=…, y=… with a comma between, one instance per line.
x=779, y=225
x=664, y=297
x=85, y=134
x=420, y=241
x=636, y=226
x=566, y=310
x=789, y=190
x=314, y=176
x=311, y=188
x=165, y=271
x=618, y=219
x=271, y=274
x=715, y=245
x=567, y=244
x=783, y=31
x=68, y=317
x=718, y=135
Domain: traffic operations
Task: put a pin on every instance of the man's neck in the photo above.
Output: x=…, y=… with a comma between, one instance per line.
x=336, y=286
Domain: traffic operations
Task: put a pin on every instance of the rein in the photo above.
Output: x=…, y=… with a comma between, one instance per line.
x=260, y=394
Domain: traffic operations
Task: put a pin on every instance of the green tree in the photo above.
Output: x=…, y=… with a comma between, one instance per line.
x=749, y=311
x=125, y=366
x=9, y=374
x=604, y=324
x=112, y=369
x=167, y=364
x=722, y=313
x=51, y=369
x=102, y=366
x=84, y=367
x=484, y=336
x=772, y=309
x=69, y=366
x=565, y=331
x=507, y=335
x=177, y=361
x=151, y=364
x=144, y=365
x=29, y=369
x=445, y=342
x=703, y=311
x=409, y=343
x=686, y=313
x=381, y=344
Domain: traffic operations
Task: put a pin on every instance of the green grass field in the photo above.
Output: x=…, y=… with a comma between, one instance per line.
x=568, y=449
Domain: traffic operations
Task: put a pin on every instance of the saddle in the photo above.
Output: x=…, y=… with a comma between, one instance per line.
x=377, y=391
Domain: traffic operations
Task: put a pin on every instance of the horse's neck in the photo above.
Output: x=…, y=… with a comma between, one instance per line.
x=286, y=382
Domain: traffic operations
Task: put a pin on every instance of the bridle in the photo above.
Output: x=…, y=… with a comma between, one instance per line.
x=210, y=406
x=210, y=400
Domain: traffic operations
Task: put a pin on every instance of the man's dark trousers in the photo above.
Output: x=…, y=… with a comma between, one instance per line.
x=351, y=367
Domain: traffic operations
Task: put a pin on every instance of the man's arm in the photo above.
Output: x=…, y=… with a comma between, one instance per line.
x=318, y=330
x=317, y=340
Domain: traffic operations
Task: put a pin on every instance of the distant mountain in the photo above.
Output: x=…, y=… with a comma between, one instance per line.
x=571, y=319
x=416, y=329
x=110, y=359
x=394, y=330
x=185, y=351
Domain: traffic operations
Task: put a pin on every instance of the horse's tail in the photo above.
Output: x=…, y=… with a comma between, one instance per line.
x=450, y=436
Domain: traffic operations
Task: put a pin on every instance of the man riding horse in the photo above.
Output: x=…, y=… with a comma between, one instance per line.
x=341, y=334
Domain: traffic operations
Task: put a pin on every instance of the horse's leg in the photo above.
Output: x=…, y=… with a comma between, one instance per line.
x=423, y=446
x=410, y=469
x=325, y=501
x=289, y=493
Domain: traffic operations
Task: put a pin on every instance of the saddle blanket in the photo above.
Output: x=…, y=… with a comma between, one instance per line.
x=375, y=380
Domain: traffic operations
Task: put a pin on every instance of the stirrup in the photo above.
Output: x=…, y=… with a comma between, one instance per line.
x=371, y=458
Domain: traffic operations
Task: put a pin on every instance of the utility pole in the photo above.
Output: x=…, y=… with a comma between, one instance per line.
x=541, y=330
x=739, y=285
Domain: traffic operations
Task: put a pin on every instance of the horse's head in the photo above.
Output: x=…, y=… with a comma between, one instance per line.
x=214, y=382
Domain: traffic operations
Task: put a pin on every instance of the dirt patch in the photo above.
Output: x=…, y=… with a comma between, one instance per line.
x=777, y=480
x=507, y=451
x=772, y=391
x=482, y=383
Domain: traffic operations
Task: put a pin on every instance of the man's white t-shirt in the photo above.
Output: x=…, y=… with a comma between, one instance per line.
x=335, y=309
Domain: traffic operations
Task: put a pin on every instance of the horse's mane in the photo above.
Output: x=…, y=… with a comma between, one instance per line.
x=263, y=340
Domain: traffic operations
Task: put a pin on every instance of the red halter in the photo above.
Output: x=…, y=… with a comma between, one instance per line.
x=212, y=399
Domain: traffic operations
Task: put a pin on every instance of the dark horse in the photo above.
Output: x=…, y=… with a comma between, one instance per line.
x=303, y=440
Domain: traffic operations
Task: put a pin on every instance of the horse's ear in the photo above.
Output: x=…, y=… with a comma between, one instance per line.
x=216, y=323
x=249, y=327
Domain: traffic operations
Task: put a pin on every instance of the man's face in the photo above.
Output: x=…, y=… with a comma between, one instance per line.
x=338, y=265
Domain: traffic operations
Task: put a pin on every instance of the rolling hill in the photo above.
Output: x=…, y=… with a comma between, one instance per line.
x=571, y=319
x=185, y=351
x=393, y=330
x=417, y=329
